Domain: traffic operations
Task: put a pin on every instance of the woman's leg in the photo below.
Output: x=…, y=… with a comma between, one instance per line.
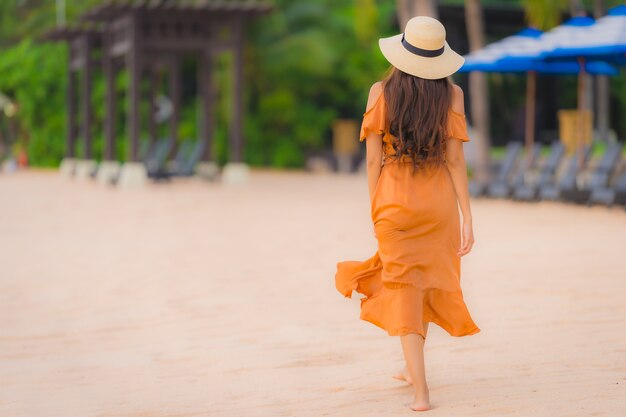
x=403, y=374
x=413, y=349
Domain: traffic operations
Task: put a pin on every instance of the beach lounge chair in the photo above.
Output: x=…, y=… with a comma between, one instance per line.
x=609, y=195
x=187, y=157
x=194, y=156
x=598, y=178
x=477, y=189
x=149, y=154
x=171, y=167
x=158, y=156
x=144, y=148
x=527, y=191
x=568, y=181
x=502, y=187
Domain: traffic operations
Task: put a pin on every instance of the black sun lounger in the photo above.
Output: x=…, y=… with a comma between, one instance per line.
x=194, y=156
x=513, y=149
x=599, y=176
x=527, y=191
x=158, y=156
x=502, y=187
x=609, y=195
x=553, y=191
x=187, y=157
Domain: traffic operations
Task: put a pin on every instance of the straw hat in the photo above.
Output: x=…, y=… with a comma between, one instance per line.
x=422, y=50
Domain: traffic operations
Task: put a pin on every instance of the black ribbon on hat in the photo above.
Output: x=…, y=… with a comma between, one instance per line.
x=428, y=53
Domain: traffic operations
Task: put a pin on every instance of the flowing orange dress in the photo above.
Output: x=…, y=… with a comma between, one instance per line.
x=414, y=277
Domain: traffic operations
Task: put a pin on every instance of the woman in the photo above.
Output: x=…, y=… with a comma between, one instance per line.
x=414, y=123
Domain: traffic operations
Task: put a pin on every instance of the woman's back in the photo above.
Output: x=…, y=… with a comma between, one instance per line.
x=376, y=119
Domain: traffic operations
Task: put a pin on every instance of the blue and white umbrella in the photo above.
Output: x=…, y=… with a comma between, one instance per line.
x=536, y=51
x=486, y=59
x=520, y=53
x=575, y=31
x=605, y=40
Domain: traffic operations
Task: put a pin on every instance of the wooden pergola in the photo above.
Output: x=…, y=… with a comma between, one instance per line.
x=148, y=38
x=81, y=44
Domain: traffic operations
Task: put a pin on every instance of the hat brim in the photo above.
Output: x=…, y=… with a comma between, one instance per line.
x=429, y=68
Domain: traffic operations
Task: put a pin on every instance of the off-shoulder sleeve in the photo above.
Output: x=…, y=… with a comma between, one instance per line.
x=373, y=119
x=457, y=126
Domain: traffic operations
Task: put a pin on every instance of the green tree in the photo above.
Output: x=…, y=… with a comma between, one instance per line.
x=310, y=65
x=34, y=77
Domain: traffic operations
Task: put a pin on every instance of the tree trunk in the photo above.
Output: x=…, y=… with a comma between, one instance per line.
x=406, y=9
x=598, y=8
x=576, y=8
x=478, y=91
x=602, y=88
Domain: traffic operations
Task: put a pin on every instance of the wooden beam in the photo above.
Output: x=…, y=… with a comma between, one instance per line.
x=175, y=95
x=86, y=98
x=580, y=134
x=236, y=139
x=529, y=131
x=152, y=94
x=134, y=79
x=206, y=100
x=70, y=147
x=175, y=44
x=110, y=111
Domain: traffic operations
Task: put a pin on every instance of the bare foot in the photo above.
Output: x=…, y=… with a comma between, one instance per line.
x=421, y=402
x=403, y=375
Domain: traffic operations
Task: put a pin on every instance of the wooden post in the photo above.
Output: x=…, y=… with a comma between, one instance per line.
x=174, y=90
x=154, y=88
x=206, y=99
x=603, y=93
x=86, y=96
x=110, y=102
x=603, y=106
x=529, y=133
x=70, y=151
x=134, y=79
x=236, y=140
x=581, y=111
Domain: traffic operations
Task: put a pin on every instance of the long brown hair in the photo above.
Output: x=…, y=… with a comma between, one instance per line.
x=417, y=115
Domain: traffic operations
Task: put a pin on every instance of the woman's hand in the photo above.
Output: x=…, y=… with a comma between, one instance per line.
x=467, y=238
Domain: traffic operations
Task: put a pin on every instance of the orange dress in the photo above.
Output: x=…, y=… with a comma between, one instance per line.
x=414, y=277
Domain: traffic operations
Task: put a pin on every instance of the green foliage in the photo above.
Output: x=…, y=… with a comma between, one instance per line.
x=543, y=14
x=20, y=19
x=34, y=75
x=365, y=21
x=311, y=62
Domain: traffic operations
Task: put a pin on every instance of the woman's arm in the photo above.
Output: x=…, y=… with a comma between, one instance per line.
x=374, y=145
x=458, y=171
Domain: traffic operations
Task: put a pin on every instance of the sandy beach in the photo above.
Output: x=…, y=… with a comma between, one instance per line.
x=196, y=299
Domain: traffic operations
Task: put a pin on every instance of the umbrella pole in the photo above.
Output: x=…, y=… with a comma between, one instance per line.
x=529, y=132
x=581, y=109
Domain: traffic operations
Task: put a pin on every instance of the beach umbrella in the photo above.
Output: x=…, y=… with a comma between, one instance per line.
x=603, y=41
x=573, y=30
x=519, y=54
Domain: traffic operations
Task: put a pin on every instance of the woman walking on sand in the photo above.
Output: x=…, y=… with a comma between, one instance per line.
x=414, y=128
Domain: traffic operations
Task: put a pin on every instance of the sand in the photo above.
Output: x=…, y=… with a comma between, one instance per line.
x=196, y=299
